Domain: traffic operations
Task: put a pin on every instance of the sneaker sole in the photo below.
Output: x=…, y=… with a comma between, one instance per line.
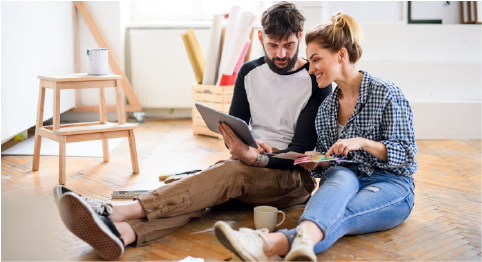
x=299, y=255
x=57, y=194
x=83, y=222
x=222, y=232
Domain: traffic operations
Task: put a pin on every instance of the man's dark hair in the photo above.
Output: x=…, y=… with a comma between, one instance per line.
x=282, y=20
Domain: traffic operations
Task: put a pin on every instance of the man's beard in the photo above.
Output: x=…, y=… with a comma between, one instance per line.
x=291, y=62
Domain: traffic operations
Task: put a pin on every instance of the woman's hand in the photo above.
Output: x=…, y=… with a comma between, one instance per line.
x=239, y=149
x=343, y=146
x=263, y=147
x=311, y=165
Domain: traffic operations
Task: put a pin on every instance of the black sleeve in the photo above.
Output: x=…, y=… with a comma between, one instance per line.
x=304, y=138
x=239, y=104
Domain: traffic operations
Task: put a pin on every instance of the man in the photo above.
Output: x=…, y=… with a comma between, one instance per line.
x=278, y=97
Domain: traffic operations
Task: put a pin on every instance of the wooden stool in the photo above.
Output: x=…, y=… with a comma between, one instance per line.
x=79, y=132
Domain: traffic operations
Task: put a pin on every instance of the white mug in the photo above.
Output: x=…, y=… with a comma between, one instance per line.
x=97, y=61
x=266, y=217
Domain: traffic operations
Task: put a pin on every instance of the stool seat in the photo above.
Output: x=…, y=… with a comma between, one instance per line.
x=107, y=127
x=79, y=132
x=79, y=77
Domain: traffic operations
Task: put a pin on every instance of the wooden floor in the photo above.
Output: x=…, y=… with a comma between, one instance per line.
x=445, y=223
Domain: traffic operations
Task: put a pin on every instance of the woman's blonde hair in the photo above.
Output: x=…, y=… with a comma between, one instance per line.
x=343, y=31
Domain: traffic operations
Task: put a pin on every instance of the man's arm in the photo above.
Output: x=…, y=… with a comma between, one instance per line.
x=239, y=104
x=260, y=161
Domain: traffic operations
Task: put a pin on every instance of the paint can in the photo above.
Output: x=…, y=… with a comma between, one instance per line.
x=97, y=61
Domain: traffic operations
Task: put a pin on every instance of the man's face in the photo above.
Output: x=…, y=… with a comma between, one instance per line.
x=281, y=56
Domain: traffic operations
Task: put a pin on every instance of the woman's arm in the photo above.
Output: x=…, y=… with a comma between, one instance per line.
x=376, y=149
x=397, y=134
x=343, y=146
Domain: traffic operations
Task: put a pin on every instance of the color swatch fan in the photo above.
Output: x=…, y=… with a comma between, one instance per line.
x=319, y=158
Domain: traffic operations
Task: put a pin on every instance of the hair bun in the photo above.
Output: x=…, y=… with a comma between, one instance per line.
x=342, y=32
x=344, y=22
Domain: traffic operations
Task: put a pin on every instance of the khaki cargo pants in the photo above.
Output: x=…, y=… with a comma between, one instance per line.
x=173, y=205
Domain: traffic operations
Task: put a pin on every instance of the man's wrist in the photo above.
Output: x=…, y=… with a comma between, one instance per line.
x=261, y=160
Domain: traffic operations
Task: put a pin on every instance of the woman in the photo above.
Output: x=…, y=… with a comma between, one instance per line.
x=367, y=120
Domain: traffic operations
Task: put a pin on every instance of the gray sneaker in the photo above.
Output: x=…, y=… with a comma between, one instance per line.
x=100, y=207
x=98, y=231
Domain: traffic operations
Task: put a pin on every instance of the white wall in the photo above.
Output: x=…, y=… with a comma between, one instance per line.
x=431, y=63
x=438, y=68
x=37, y=39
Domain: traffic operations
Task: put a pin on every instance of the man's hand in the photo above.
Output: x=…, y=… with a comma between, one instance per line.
x=343, y=146
x=239, y=150
x=263, y=147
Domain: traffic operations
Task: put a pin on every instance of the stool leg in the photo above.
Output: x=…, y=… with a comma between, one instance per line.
x=132, y=147
x=39, y=124
x=103, y=119
x=62, y=159
x=105, y=149
x=120, y=105
x=56, y=109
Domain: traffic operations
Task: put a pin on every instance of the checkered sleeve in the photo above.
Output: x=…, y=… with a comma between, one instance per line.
x=397, y=133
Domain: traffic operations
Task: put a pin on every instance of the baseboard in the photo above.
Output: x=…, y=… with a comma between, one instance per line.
x=165, y=113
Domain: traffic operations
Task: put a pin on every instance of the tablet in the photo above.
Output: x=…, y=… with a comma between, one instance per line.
x=212, y=117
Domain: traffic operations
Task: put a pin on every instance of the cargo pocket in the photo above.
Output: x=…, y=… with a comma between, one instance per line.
x=272, y=182
x=168, y=204
x=288, y=180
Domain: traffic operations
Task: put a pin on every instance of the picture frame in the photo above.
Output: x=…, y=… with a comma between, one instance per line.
x=464, y=12
x=478, y=12
x=420, y=21
x=472, y=12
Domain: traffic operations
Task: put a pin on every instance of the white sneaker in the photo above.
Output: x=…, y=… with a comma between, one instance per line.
x=246, y=244
x=302, y=247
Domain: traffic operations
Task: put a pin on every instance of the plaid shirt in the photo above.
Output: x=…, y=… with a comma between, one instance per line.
x=381, y=114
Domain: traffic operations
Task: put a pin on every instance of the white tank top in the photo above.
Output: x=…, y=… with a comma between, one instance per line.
x=339, y=128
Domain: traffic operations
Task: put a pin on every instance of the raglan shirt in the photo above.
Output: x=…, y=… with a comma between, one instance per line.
x=281, y=108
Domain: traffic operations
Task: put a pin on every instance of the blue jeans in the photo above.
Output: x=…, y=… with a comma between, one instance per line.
x=350, y=203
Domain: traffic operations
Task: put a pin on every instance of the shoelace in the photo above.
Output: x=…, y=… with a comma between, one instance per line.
x=303, y=238
x=100, y=207
x=253, y=235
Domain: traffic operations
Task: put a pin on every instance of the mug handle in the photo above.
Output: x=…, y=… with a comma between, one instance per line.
x=283, y=220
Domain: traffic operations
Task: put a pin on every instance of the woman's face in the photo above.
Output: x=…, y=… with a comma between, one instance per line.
x=323, y=64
